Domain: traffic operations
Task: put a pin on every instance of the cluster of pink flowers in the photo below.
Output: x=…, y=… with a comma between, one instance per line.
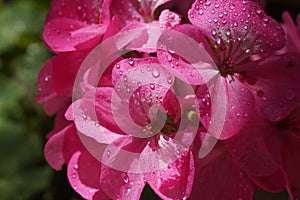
x=198, y=101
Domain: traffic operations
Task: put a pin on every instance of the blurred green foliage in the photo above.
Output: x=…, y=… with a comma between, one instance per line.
x=24, y=174
x=23, y=171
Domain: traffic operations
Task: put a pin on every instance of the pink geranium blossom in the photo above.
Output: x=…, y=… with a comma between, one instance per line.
x=151, y=93
x=235, y=31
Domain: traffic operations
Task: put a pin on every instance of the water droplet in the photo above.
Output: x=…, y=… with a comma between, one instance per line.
x=155, y=73
x=207, y=3
x=231, y=6
x=118, y=66
x=258, y=11
x=152, y=86
x=130, y=61
x=170, y=80
x=76, y=166
x=79, y=7
x=214, y=32
x=108, y=154
x=84, y=117
x=47, y=78
x=191, y=15
x=197, y=7
x=235, y=24
x=97, y=124
x=201, y=12
x=169, y=58
x=217, y=5
x=266, y=19
x=228, y=32
x=125, y=177
x=237, y=114
x=245, y=115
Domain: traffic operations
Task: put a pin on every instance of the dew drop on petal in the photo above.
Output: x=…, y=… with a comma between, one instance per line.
x=76, y=166
x=207, y=3
x=130, y=61
x=201, y=12
x=155, y=73
x=125, y=177
x=258, y=11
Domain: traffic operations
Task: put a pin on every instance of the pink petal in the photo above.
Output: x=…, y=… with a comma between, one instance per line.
x=45, y=86
x=174, y=182
x=85, y=181
x=72, y=143
x=273, y=84
x=243, y=18
x=53, y=150
x=103, y=106
x=291, y=163
x=63, y=34
x=121, y=185
x=249, y=150
x=272, y=183
x=56, y=104
x=292, y=33
x=127, y=10
x=231, y=107
x=139, y=36
x=65, y=69
x=84, y=112
x=217, y=176
x=174, y=50
x=79, y=19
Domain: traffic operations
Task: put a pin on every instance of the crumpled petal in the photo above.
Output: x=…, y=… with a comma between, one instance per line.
x=174, y=182
x=273, y=84
x=244, y=19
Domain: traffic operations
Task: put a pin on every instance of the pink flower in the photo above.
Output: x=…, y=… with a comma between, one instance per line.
x=144, y=89
x=235, y=30
x=76, y=25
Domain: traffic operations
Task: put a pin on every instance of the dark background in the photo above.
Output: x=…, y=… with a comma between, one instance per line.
x=24, y=174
